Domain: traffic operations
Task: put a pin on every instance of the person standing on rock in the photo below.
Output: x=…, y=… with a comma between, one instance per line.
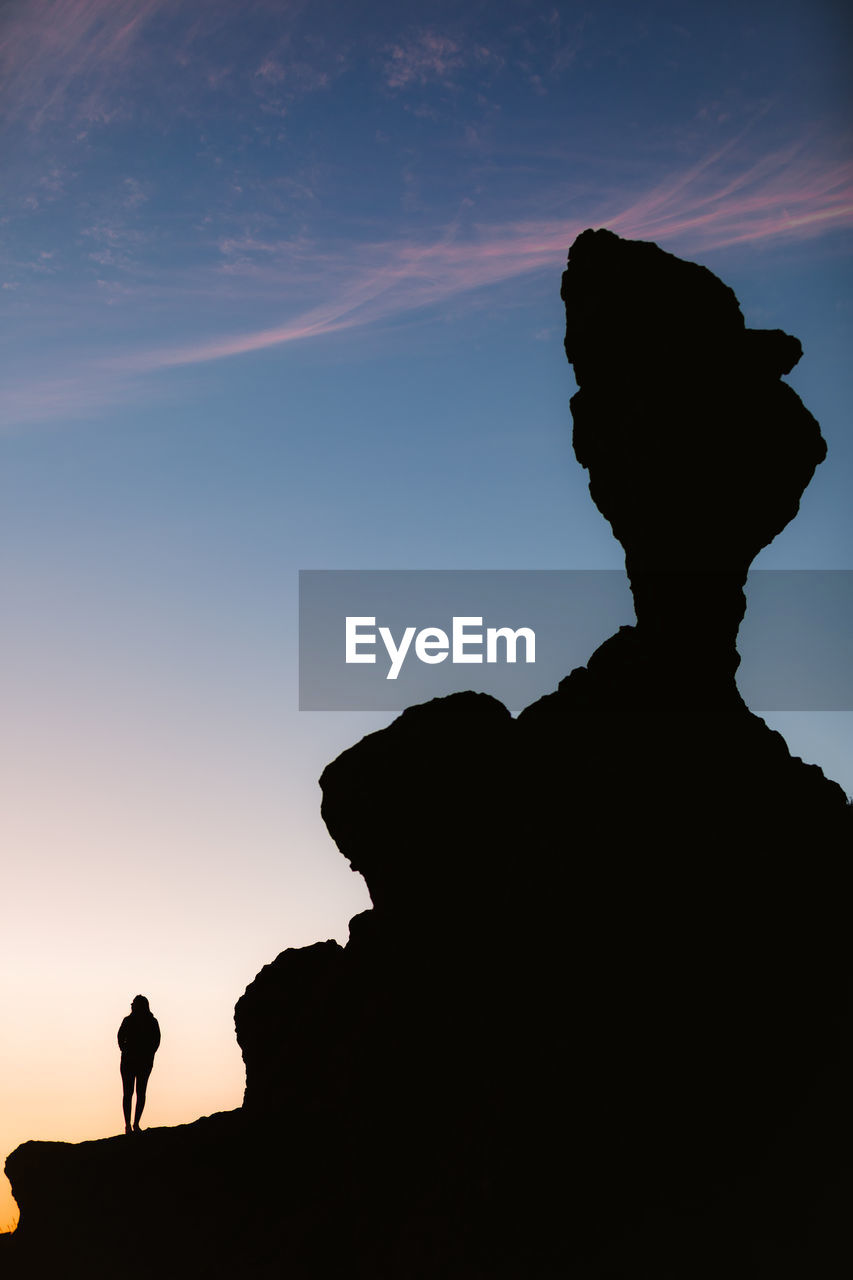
x=138, y=1039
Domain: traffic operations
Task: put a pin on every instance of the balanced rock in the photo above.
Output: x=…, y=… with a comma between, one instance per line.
x=697, y=453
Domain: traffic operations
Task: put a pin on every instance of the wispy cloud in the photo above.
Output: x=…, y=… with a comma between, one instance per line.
x=81, y=61
x=789, y=193
x=710, y=205
x=114, y=244
x=703, y=208
x=421, y=58
x=50, y=46
x=134, y=195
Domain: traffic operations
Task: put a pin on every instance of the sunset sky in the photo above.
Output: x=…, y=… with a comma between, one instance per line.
x=281, y=290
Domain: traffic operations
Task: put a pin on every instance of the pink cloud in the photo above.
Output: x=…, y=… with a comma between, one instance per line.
x=270, y=70
x=712, y=204
x=790, y=195
x=71, y=58
x=49, y=45
x=426, y=57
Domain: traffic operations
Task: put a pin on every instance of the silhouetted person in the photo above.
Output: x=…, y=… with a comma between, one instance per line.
x=138, y=1039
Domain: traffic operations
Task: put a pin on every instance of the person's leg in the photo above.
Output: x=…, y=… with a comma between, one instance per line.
x=127, y=1080
x=142, y=1075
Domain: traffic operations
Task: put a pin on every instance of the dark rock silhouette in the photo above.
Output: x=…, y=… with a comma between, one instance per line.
x=697, y=452
x=595, y=1023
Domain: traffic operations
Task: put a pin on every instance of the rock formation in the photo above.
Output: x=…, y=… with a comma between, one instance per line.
x=594, y=1024
x=697, y=452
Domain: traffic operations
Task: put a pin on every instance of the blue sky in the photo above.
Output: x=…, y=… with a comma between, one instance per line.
x=282, y=292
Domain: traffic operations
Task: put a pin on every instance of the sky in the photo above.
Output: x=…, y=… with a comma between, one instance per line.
x=281, y=284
